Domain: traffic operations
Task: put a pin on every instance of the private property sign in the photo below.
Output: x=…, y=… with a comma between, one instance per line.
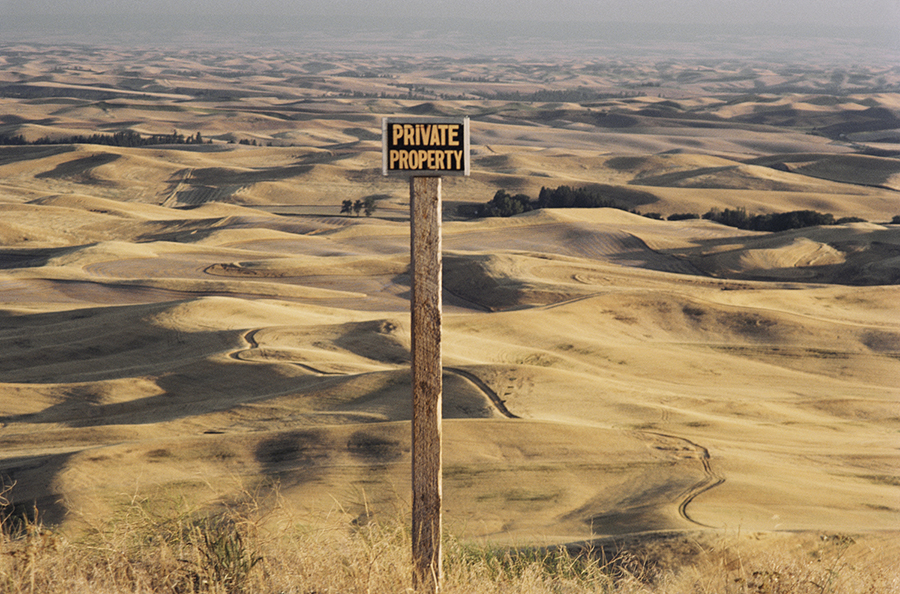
x=425, y=146
x=424, y=149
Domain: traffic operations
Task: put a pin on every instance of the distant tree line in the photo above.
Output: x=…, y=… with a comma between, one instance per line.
x=504, y=204
x=476, y=79
x=579, y=95
x=366, y=74
x=782, y=221
x=125, y=138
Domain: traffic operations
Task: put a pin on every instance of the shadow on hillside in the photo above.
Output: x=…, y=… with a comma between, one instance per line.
x=31, y=258
x=32, y=495
x=15, y=154
x=81, y=170
x=867, y=262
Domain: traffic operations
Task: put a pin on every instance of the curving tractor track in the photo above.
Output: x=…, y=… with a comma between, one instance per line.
x=672, y=445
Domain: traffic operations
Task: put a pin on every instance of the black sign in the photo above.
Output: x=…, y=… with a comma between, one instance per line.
x=425, y=146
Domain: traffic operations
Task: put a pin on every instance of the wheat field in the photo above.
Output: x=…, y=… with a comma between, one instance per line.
x=204, y=373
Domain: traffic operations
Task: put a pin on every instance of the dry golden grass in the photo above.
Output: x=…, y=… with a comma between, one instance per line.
x=167, y=545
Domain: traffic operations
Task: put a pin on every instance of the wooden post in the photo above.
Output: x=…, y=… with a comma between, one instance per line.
x=425, y=239
x=425, y=149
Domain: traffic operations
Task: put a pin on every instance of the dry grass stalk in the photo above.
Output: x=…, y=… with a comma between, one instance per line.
x=241, y=550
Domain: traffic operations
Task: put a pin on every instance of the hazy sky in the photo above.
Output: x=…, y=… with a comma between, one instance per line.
x=480, y=18
x=829, y=12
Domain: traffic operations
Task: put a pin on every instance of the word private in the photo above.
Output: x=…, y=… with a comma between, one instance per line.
x=425, y=146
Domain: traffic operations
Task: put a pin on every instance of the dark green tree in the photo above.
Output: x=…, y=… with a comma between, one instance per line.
x=503, y=204
x=346, y=207
x=369, y=205
x=782, y=221
x=732, y=217
x=568, y=197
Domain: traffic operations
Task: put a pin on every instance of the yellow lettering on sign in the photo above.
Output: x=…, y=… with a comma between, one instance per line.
x=425, y=146
x=434, y=160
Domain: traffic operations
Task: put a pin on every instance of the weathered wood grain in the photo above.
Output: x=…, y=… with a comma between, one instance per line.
x=425, y=216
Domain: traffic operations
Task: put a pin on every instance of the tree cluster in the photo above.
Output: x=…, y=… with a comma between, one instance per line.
x=253, y=142
x=366, y=205
x=568, y=197
x=782, y=221
x=504, y=204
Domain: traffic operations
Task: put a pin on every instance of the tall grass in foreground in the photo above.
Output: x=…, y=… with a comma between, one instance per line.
x=234, y=551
